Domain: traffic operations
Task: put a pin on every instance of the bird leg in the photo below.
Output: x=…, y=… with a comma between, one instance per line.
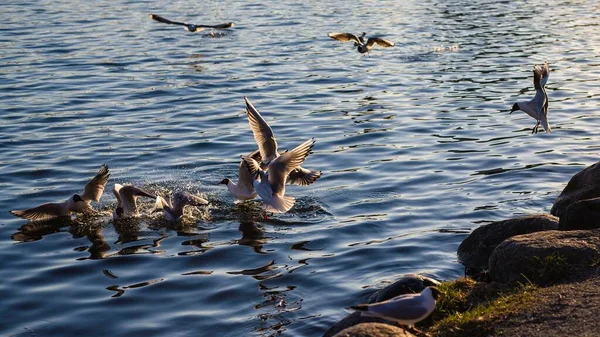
x=536, y=127
x=265, y=215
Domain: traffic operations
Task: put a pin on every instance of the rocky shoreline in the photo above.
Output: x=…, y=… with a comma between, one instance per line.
x=535, y=275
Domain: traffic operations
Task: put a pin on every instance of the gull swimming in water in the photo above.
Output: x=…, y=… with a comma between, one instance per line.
x=267, y=148
x=127, y=201
x=173, y=209
x=79, y=203
x=538, y=106
x=189, y=26
x=359, y=42
x=244, y=189
x=271, y=185
x=406, y=309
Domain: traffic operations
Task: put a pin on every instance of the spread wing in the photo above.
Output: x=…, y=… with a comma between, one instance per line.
x=382, y=42
x=303, y=177
x=263, y=134
x=94, y=189
x=344, y=37
x=129, y=195
x=182, y=198
x=42, y=212
x=544, y=73
x=165, y=20
x=221, y=26
x=245, y=179
x=280, y=168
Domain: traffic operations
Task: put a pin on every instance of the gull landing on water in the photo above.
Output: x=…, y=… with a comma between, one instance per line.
x=173, y=209
x=267, y=148
x=538, y=106
x=244, y=189
x=189, y=26
x=359, y=42
x=406, y=309
x=271, y=186
x=78, y=203
x=127, y=201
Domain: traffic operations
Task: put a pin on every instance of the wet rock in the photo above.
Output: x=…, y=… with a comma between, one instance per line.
x=583, y=185
x=546, y=257
x=476, y=249
x=411, y=283
x=374, y=330
x=582, y=214
x=353, y=319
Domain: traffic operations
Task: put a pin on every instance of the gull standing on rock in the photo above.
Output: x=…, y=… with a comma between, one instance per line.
x=173, y=211
x=79, y=203
x=271, y=186
x=538, y=106
x=127, y=201
x=267, y=148
x=406, y=309
x=359, y=42
x=189, y=26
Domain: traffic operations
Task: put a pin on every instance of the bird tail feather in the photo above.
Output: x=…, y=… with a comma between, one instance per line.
x=280, y=204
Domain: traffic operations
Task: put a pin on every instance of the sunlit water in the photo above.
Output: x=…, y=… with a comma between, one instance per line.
x=415, y=143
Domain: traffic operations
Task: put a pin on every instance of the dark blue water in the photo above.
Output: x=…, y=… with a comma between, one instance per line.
x=415, y=143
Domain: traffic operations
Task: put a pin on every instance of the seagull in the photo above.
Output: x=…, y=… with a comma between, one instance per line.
x=190, y=27
x=538, y=106
x=127, y=201
x=406, y=309
x=173, y=210
x=244, y=189
x=267, y=148
x=79, y=203
x=363, y=47
x=271, y=186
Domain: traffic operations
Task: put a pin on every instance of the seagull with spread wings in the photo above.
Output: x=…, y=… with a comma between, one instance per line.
x=192, y=28
x=127, y=201
x=538, y=106
x=363, y=46
x=78, y=203
x=173, y=209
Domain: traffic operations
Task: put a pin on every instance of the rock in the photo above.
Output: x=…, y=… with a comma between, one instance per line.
x=546, y=257
x=476, y=249
x=411, y=283
x=374, y=330
x=351, y=320
x=582, y=214
x=583, y=185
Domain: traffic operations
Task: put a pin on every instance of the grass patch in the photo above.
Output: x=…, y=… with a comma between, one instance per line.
x=468, y=309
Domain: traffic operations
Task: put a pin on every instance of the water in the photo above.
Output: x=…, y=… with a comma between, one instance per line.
x=415, y=143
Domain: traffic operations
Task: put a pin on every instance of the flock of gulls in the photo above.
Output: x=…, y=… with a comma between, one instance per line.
x=265, y=173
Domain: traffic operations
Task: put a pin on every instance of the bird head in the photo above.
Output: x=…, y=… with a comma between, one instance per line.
x=224, y=182
x=119, y=211
x=515, y=107
x=77, y=204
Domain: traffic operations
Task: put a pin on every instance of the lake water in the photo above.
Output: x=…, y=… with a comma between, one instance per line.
x=415, y=142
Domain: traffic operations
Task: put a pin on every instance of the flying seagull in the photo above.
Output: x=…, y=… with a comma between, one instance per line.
x=538, y=106
x=271, y=185
x=78, y=203
x=127, y=201
x=268, y=151
x=189, y=26
x=174, y=208
x=359, y=42
x=406, y=309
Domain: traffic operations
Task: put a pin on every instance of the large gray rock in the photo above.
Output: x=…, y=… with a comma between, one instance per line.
x=411, y=283
x=374, y=330
x=476, y=249
x=546, y=257
x=582, y=214
x=583, y=185
x=353, y=319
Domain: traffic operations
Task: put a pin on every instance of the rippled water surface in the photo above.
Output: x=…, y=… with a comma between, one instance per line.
x=415, y=143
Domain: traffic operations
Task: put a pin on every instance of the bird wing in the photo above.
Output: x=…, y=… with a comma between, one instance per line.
x=165, y=20
x=160, y=204
x=406, y=308
x=382, y=42
x=344, y=37
x=252, y=166
x=129, y=195
x=221, y=26
x=182, y=198
x=93, y=190
x=280, y=168
x=42, y=212
x=303, y=177
x=544, y=73
x=263, y=134
x=245, y=179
